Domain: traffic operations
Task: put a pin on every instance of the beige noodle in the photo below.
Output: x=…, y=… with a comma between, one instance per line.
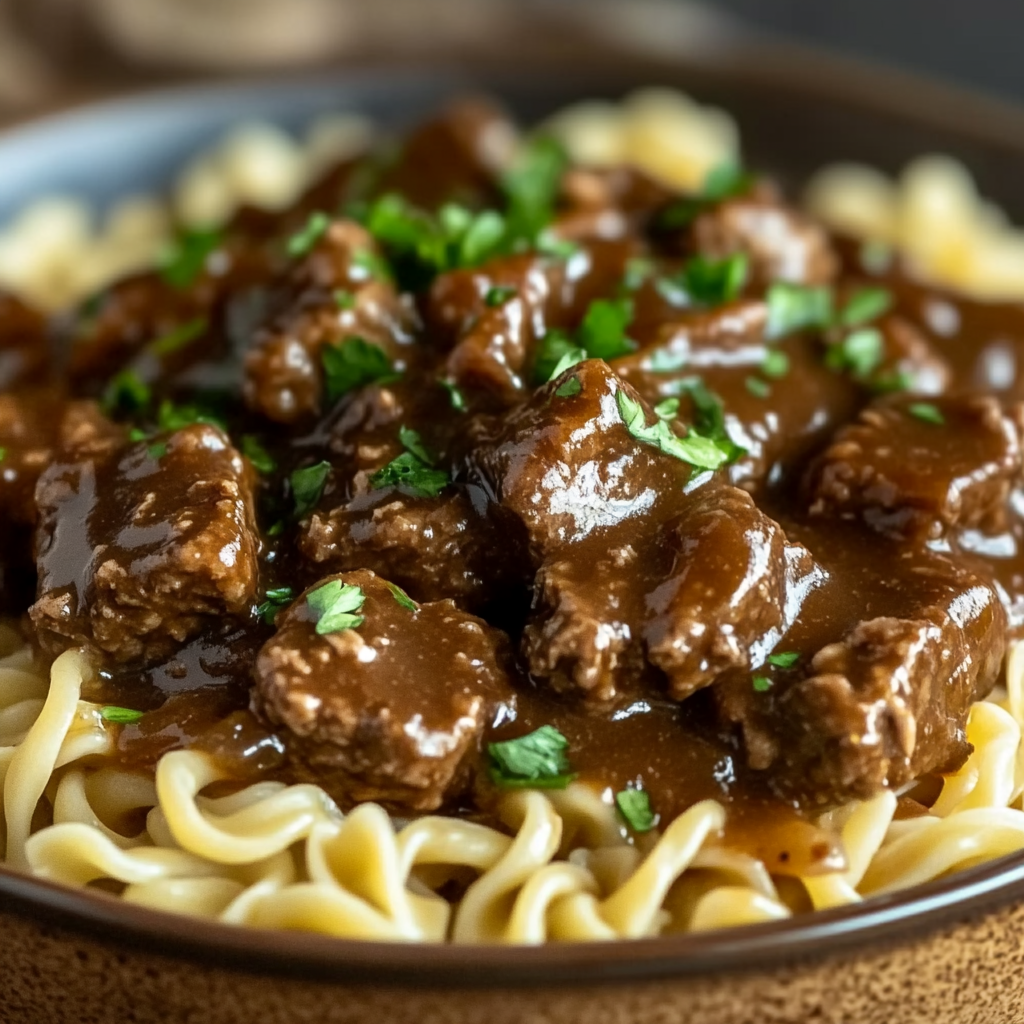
x=277, y=856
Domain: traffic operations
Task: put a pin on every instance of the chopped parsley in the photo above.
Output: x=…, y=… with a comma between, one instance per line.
x=120, y=716
x=762, y=684
x=276, y=599
x=531, y=189
x=498, y=295
x=353, y=364
x=757, y=387
x=892, y=381
x=638, y=270
x=865, y=305
x=344, y=299
x=455, y=395
x=254, y=451
x=709, y=415
x=127, y=392
x=714, y=282
x=402, y=598
x=776, y=364
x=861, y=352
x=796, y=307
x=185, y=258
x=784, y=659
x=554, y=347
x=371, y=264
x=538, y=760
x=179, y=338
x=569, y=388
x=635, y=807
x=3, y=454
x=303, y=241
x=603, y=331
x=668, y=409
x=695, y=450
x=571, y=357
x=549, y=244
x=176, y=417
x=336, y=606
x=927, y=412
x=157, y=451
x=307, y=486
x=414, y=470
x=723, y=182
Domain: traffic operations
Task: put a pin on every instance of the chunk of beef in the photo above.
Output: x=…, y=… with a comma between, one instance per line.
x=391, y=710
x=782, y=243
x=324, y=298
x=24, y=345
x=912, y=469
x=777, y=422
x=141, y=545
x=495, y=342
x=435, y=548
x=607, y=202
x=735, y=588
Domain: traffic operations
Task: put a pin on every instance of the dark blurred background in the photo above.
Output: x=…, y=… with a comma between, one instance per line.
x=52, y=50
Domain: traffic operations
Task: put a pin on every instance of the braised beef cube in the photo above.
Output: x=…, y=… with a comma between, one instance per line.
x=777, y=421
x=24, y=345
x=781, y=243
x=910, y=468
x=496, y=315
x=607, y=202
x=735, y=588
x=329, y=296
x=566, y=466
x=139, y=546
x=457, y=156
x=435, y=548
x=389, y=703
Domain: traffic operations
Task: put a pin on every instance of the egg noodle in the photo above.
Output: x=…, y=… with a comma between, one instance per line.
x=277, y=856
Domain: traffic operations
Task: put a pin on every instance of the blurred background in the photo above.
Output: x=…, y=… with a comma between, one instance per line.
x=55, y=50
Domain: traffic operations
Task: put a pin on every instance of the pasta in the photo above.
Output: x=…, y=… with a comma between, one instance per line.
x=276, y=856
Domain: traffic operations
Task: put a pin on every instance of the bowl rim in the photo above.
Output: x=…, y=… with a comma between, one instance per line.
x=879, y=921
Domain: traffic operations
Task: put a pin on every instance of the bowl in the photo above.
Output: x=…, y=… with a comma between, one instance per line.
x=949, y=951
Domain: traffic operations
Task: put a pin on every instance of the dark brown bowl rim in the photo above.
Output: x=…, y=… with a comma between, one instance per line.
x=883, y=920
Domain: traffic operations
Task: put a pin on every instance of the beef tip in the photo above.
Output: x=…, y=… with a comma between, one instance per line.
x=141, y=545
x=434, y=548
x=327, y=296
x=457, y=156
x=24, y=345
x=607, y=202
x=914, y=469
x=777, y=423
x=887, y=702
x=494, y=344
x=735, y=588
x=782, y=244
x=393, y=709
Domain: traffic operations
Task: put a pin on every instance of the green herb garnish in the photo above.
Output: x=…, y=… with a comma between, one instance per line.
x=538, y=760
x=762, y=684
x=303, y=241
x=402, y=598
x=185, y=258
x=697, y=451
x=176, y=417
x=120, y=716
x=795, y=307
x=927, y=412
x=603, y=331
x=638, y=269
x=127, y=392
x=723, y=182
x=667, y=409
x=635, y=807
x=531, y=188
x=372, y=264
x=353, y=364
x=861, y=352
x=414, y=470
x=157, y=451
x=344, y=299
x=455, y=395
x=865, y=305
x=554, y=347
x=3, y=454
x=498, y=295
x=276, y=599
x=714, y=282
x=569, y=388
x=784, y=659
x=776, y=364
x=307, y=486
x=757, y=387
x=254, y=451
x=412, y=442
x=336, y=605
x=709, y=418
x=179, y=338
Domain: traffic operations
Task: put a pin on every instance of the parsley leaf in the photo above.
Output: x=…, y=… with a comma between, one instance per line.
x=709, y=415
x=776, y=364
x=796, y=307
x=371, y=265
x=861, y=352
x=571, y=357
x=531, y=188
x=307, y=486
x=185, y=258
x=254, y=451
x=303, y=241
x=498, y=295
x=762, y=684
x=455, y=396
x=668, y=409
x=553, y=348
x=757, y=387
x=714, y=282
x=336, y=605
x=413, y=475
x=697, y=451
x=635, y=807
x=784, y=659
x=894, y=380
x=638, y=269
x=412, y=442
x=402, y=598
x=127, y=392
x=176, y=417
x=353, y=364
x=3, y=454
x=179, y=338
x=344, y=299
x=864, y=305
x=569, y=389
x=927, y=412
x=276, y=599
x=603, y=331
x=537, y=760
x=725, y=181
x=120, y=716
